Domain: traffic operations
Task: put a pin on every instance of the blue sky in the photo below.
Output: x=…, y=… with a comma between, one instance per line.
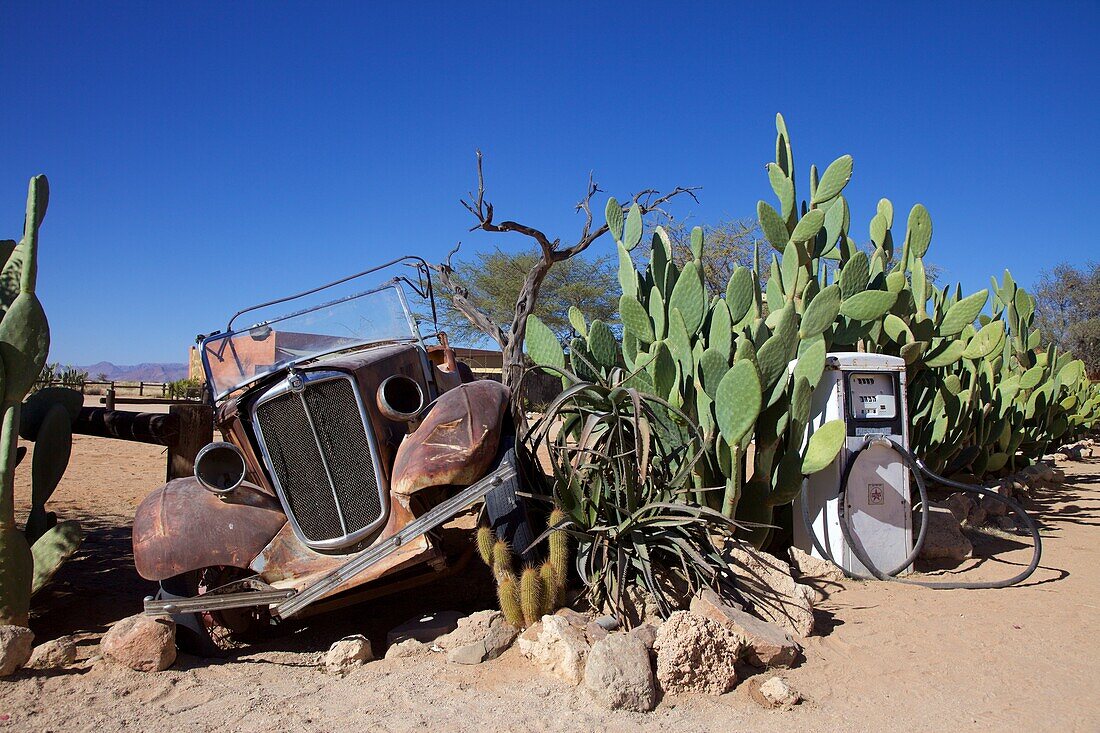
x=205, y=156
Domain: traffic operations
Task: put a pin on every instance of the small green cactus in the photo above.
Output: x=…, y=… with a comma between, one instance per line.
x=485, y=542
x=531, y=595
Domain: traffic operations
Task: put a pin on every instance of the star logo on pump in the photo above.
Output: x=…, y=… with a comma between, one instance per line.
x=875, y=494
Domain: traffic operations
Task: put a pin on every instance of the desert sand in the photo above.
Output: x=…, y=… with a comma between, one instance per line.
x=885, y=657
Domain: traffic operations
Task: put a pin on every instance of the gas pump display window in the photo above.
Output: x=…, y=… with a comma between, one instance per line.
x=872, y=396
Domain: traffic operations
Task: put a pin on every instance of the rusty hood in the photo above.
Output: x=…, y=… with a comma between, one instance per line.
x=456, y=443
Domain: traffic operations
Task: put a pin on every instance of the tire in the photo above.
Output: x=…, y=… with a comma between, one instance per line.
x=212, y=634
x=509, y=519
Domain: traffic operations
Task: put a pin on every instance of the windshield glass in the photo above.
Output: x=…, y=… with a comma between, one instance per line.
x=243, y=355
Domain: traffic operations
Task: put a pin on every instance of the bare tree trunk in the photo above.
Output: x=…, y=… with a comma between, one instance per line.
x=511, y=340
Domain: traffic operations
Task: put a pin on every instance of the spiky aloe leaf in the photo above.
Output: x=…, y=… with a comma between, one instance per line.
x=833, y=180
x=613, y=212
x=918, y=231
x=635, y=319
x=821, y=312
x=772, y=225
x=808, y=226
x=737, y=401
x=632, y=232
x=576, y=320
x=542, y=345
x=740, y=293
x=870, y=305
x=963, y=313
x=823, y=447
x=602, y=344
x=689, y=297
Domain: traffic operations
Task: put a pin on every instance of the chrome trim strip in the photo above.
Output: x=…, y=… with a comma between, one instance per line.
x=383, y=485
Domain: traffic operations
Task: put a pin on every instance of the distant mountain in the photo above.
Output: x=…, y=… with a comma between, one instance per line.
x=146, y=372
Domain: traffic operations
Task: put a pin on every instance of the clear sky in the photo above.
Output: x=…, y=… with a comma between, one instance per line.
x=203, y=156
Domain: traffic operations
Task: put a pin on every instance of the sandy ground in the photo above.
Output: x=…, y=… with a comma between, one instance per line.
x=886, y=657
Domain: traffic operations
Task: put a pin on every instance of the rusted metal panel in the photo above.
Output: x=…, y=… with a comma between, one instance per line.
x=287, y=563
x=456, y=442
x=182, y=527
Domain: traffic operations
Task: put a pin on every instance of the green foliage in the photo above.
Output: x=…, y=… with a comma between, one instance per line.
x=493, y=281
x=981, y=398
x=623, y=463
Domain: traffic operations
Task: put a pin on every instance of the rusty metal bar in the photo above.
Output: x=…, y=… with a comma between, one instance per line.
x=157, y=428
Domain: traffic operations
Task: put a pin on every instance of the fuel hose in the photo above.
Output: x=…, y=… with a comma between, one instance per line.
x=919, y=470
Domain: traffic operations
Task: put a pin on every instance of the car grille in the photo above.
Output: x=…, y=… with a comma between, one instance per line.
x=318, y=448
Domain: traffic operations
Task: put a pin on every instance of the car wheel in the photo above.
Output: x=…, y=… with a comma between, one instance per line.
x=213, y=633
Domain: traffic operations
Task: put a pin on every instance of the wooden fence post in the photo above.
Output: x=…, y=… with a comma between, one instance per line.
x=196, y=429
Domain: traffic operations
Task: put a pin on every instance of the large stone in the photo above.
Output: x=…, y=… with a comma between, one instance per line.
x=646, y=633
x=767, y=644
x=992, y=508
x=558, y=647
x=15, y=648
x=943, y=541
x=779, y=693
x=809, y=566
x=478, y=638
x=765, y=583
x=618, y=673
x=141, y=642
x=54, y=654
x=696, y=654
x=347, y=654
x=424, y=628
x=960, y=504
x=407, y=648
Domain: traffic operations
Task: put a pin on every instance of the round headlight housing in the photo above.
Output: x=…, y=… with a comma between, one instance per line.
x=220, y=467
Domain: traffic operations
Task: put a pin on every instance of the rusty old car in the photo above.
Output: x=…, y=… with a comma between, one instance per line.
x=346, y=443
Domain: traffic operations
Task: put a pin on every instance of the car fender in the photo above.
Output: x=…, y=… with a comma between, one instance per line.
x=182, y=527
x=456, y=442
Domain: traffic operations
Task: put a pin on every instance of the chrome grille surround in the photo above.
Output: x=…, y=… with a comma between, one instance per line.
x=322, y=460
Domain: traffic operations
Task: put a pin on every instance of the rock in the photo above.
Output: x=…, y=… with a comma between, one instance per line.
x=765, y=583
x=478, y=638
x=347, y=654
x=779, y=692
x=54, y=654
x=809, y=566
x=943, y=540
x=1006, y=524
x=141, y=642
x=15, y=648
x=617, y=673
x=558, y=647
x=978, y=514
x=767, y=644
x=407, y=648
x=960, y=504
x=993, y=508
x=424, y=628
x=646, y=633
x=594, y=632
x=696, y=654
x=1057, y=476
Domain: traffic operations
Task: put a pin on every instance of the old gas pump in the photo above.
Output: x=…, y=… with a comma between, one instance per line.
x=867, y=392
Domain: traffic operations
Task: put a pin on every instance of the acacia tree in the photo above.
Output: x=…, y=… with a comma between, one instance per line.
x=1068, y=311
x=493, y=280
x=551, y=251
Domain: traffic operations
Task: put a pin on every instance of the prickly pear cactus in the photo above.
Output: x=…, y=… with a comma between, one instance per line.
x=29, y=559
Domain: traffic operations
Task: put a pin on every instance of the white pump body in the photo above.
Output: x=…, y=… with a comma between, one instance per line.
x=867, y=392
